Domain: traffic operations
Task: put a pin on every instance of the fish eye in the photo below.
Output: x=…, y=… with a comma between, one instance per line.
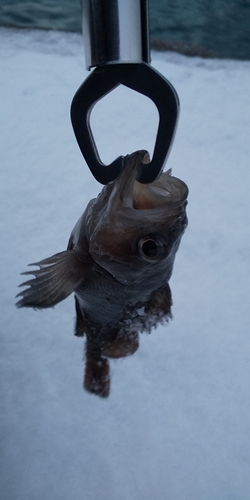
x=151, y=249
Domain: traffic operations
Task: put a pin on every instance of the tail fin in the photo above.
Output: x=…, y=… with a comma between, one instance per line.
x=96, y=378
x=56, y=279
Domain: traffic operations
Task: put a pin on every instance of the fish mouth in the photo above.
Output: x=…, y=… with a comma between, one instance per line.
x=165, y=191
x=127, y=214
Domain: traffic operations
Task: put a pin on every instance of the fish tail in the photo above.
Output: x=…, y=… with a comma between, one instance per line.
x=97, y=379
x=56, y=279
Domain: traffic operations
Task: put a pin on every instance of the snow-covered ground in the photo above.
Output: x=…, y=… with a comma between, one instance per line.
x=177, y=423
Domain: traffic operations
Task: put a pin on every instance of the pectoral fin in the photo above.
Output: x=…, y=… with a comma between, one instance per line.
x=56, y=279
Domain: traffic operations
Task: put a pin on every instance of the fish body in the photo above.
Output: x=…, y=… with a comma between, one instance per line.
x=118, y=263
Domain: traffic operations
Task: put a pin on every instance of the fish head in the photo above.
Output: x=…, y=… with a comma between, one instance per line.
x=134, y=229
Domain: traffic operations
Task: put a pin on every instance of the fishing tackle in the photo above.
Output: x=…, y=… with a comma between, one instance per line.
x=116, y=41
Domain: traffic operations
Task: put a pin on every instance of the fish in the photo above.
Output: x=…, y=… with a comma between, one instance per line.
x=118, y=264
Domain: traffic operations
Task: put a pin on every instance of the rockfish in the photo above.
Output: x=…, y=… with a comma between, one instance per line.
x=118, y=262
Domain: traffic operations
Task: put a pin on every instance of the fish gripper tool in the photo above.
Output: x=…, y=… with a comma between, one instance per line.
x=116, y=41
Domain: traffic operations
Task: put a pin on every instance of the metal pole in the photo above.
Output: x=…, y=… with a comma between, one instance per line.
x=115, y=31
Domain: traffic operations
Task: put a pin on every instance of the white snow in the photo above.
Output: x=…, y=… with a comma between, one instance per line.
x=177, y=423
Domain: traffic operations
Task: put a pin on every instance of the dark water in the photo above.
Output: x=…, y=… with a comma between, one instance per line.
x=219, y=27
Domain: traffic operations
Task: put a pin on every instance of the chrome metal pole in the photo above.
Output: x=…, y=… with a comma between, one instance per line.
x=115, y=31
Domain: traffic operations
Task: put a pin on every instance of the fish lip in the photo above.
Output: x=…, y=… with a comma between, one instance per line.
x=125, y=182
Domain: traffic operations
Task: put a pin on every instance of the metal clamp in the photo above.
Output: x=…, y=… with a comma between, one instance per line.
x=117, y=61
